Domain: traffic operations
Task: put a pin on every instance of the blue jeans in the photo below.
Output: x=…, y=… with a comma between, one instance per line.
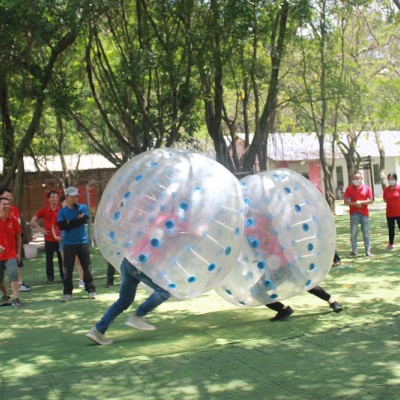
x=131, y=277
x=355, y=220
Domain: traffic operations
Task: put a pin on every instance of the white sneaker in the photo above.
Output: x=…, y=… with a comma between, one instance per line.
x=92, y=295
x=137, y=322
x=23, y=287
x=98, y=337
x=81, y=285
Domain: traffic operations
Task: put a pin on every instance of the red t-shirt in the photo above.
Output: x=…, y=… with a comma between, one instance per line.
x=391, y=195
x=14, y=211
x=10, y=229
x=354, y=193
x=48, y=215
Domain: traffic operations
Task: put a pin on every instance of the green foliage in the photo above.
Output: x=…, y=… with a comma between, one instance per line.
x=139, y=73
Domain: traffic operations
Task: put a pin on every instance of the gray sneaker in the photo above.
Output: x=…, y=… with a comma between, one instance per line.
x=92, y=295
x=16, y=303
x=134, y=321
x=66, y=297
x=98, y=337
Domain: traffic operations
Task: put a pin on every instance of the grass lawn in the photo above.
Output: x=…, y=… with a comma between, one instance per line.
x=206, y=348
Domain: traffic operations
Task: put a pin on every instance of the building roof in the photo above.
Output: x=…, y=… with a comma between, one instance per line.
x=305, y=146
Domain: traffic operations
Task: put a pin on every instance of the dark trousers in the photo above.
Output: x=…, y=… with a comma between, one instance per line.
x=336, y=257
x=110, y=274
x=316, y=291
x=82, y=252
x=391, y=224
x=50, y=248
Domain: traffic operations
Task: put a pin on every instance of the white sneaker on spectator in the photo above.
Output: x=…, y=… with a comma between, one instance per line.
x=81, y=284
x=98, y=337
x=92, y=295
x=137, y=322
x=23, y=287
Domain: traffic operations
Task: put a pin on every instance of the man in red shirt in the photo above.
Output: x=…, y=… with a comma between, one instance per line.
x=48, y=214
x=14, y=211
x=10, y=248
x=358, y=196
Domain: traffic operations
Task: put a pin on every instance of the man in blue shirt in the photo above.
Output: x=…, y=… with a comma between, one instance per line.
x=72, y=220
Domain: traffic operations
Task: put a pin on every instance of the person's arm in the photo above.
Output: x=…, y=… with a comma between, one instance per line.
x=54, y=232
x=72, y=223
x=35, y=224
x=19, y=245
x=347, y=198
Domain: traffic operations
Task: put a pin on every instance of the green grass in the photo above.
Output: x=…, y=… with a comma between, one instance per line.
x=206, y=348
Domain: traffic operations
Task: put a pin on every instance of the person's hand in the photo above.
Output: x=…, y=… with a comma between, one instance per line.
x=58, y=238
x=2, y=249
x=358, y=205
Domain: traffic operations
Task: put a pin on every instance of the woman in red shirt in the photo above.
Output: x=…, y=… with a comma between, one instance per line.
x=391, y=195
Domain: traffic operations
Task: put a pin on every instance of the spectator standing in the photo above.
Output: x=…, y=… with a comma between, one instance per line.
x=358, y=197
x=72, y=220
x=10, y=248
x=51, y=245
x=391, y=196
x=59, y=236
x=15, y=212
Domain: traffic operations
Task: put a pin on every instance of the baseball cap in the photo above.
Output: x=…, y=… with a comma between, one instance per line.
x=71, y=191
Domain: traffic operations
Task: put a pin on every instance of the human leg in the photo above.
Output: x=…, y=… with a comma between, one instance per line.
x=336, y=259
x=3, y=286
x=324, y=295
x=84, y=258
x=110, y=275
x=365, y=232
x=23, y=287
x=80, y=273
x=283, y=312
x=390, y=224
x=354, y=221
x=69, y=262
x=11, y=267
x=127, y=293
x=49, y=251
x=59, y=259
x=158, y=296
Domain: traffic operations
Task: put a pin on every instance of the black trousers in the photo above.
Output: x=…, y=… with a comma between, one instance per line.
x=391, y=224
x=50, y=248
x=316, y=291
x=82, y=252
x=110, y=274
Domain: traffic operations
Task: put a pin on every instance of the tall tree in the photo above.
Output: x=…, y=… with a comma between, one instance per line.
x=32, y=37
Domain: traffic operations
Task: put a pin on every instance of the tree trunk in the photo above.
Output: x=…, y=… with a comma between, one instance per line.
x=381, y=149
x=265, y=125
